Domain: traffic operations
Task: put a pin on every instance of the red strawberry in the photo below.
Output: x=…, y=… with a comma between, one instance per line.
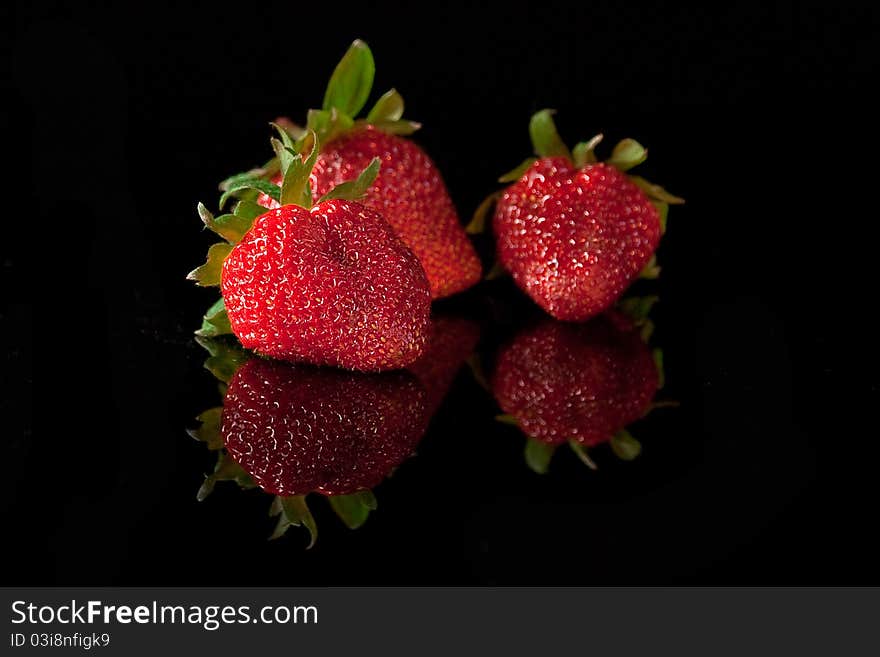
x=329, y=284
x=576, y=382
x=409, y=191
x=573, y=233
x=452, y=340
x=297, y=429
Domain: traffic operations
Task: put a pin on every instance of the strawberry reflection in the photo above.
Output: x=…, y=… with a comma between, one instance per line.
x=298, y=430
x=453, y=340
x=580, y=384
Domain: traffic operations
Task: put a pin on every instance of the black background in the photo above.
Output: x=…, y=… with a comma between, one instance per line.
x=120, y=118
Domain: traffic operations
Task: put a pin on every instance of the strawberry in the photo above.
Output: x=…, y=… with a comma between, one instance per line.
x=574, y=233
x=409, y=191
x=327, y=284
x=452, y=341
x=577, y=383
x=297, y=429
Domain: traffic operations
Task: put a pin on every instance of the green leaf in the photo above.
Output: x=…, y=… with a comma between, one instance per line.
x=352, y=509
x=637, y=308
x=656, y=192
x=286, y=140
x=389, y=107
x=651, y=270
x=266, y=171
x=285, y=155
x=209, y=273
x=478, y=221
x=538, y=455
x=225, y=470
x=295, y=131
x=257, y=184
x=293, y=511
x=225, y=357
x=497, y=271
x=249, y=210
x=327, y=124
x=401, y=127
x=215, y=326
x=625, y=446
x=545, y=139
x=338, y=123
x=583, y=152
x=352, y=190
x=658, y=362
x=582, y=454
x=352, y=80
x=627, y=154
x=230, y=227
x=517, y=172
x=318, y=121
x=216, y=321
x=258, y=172
x=507, y=419
x=295, y=187
x=368, y=499
x=663, y=211
x=216, y=307
x=208, y=431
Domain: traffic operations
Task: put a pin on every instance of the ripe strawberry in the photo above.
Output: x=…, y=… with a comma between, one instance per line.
x=329, y=284
x=297, y=429
x=574, y=233
x=409, y=191
x=452, y=341
x=581, y=383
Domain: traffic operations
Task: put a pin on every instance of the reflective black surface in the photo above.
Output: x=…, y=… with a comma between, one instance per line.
x=763, y=474
x=724, y=489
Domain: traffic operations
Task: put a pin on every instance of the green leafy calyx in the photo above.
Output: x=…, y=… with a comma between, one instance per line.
x=353, y=509
x=546, y=142
x=347, y=94
x=545, y=138
x=208, y=274
x=538, y=455
x=352, y=80
x=625, y=446
x=293, y=511
x=216, y=321
x=581, y=452
x=352, y=190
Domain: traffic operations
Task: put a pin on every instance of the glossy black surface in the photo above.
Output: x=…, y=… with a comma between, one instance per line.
x=124, y=119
